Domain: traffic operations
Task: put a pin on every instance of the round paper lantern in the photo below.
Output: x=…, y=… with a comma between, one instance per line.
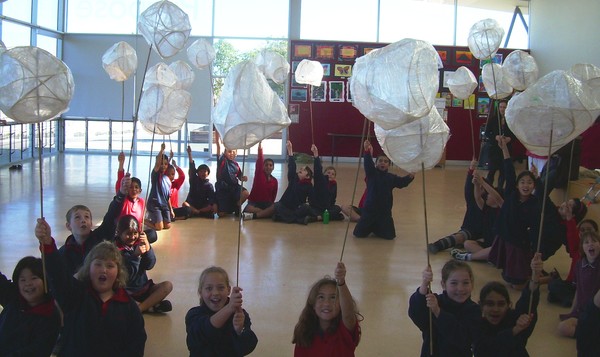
x=120, y=61
x=34, y=85
x=309, y=72
x=165, y=27
x=163, y=110
x=160, y=74
x=520, y=70
x=201, y=54
x=183, y=72
x=557, y=101
x=274, y=66
x=462, y=83
x=248, y=110
x=494, y=81
x=2, y=46
x=396, y=84
x=420, y=141
x=485, y=37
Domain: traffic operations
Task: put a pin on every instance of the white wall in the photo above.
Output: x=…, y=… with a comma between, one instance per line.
x=564, y=32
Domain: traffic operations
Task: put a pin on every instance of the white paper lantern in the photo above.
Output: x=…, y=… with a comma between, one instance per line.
x=556, y=101
x=494, y=81
x=165, y=27
x=485, y=37
x=585, y=71
x=201, y=54
x=273, y=65
x=34, y=85
x=462, y=83
x=420, y=141
x=2, y=46
x=184, y=73
x=248, y=110
x=160, y=74
x=396, y=84
x=119, y=61
x=164, y=110
x=309, y=72
x=520, y=70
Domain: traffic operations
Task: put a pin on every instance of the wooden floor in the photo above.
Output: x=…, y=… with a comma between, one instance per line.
x=277, y=262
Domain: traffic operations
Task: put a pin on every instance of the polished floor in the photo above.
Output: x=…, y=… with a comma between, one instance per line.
x=277, y=262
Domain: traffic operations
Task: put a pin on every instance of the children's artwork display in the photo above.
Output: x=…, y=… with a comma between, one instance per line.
x=343, y=70
x=326, y=69
x=336, y=91
x=326, y=52
x=483, y=106
x=302, y=51
x=317, y=94
x=347, y=52
x=299, y=95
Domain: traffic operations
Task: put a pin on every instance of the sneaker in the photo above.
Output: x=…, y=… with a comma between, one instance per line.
x=163, y=306
x=432, y=248
x=247, y=216
x=459, y=254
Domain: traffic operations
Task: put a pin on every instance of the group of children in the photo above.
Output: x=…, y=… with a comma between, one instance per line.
x=99, y=280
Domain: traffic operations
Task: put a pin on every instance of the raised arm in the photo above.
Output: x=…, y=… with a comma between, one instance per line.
x=347, y=307
x=159, y=158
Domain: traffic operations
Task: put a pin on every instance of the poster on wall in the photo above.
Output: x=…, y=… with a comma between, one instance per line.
x=294, y=112
x=463, y=58
x=483, y=107
x=497, y=60
x=326, y=69
x=342, y=70
x=336, y=91
x=347, y=52
x=302, y=51
x=324, y=52
x=298, y=95
x=296, y=84
x=317, y=94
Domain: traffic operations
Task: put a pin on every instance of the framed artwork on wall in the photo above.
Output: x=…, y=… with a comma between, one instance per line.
x=326, y=69
x=342, y=70
x=481, y=86
x=483, y=107
x=302, y=51
x=298, y=95
x=463, y=58
x=367, y=50
x=294, y=113
x=347, y=52
x=497, y=59
x=443, y=55
x=295, y=65
x=446, y=75
x=317, y=94
x=325, y=52
x=336, y=91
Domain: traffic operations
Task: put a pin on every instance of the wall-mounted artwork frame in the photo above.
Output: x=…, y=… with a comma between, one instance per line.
x=326, y=69
x=336, y=91
x=463, y=58
x=296, y=84
x=302, y=51
x=318, y=94
x=298, y=95
x=294, y=113
x=347, y=52
x=342, y=70
x=325, y=52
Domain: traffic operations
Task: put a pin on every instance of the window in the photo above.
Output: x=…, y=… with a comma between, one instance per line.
x=47, y=43
x=422, y=20
x=198, y=11
x=350, y=20
x=19, y=35
x=256, y=18
x=20, y=10
x=109, y=16
x=47, y=14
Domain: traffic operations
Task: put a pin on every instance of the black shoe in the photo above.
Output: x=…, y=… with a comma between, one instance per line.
x=163, y=306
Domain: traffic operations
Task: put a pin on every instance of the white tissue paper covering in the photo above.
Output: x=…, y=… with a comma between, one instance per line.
x=309, y=72
x=201, y=54
x=520, y=70
x=184, y=73
x=420, y=141
x=34, y=85
x=163, y=106
x=462, y=83
x=557, y=101
x=248, y=110
x=165, y=27
x=484, y=38
x=397, y=83
x=495, y=82
x=119, y=61
x=2, y=46
x=273, y=66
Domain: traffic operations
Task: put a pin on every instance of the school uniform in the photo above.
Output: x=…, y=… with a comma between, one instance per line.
x=376, y=214
x=340, y=343
x=588, y=330
x=203, y=339
x=92, y=327
x=453, y=330
x=294, y=195
x=26, y=330
x=137, y=265
x=264, y=189
x=228, y=188
x=202, y=192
